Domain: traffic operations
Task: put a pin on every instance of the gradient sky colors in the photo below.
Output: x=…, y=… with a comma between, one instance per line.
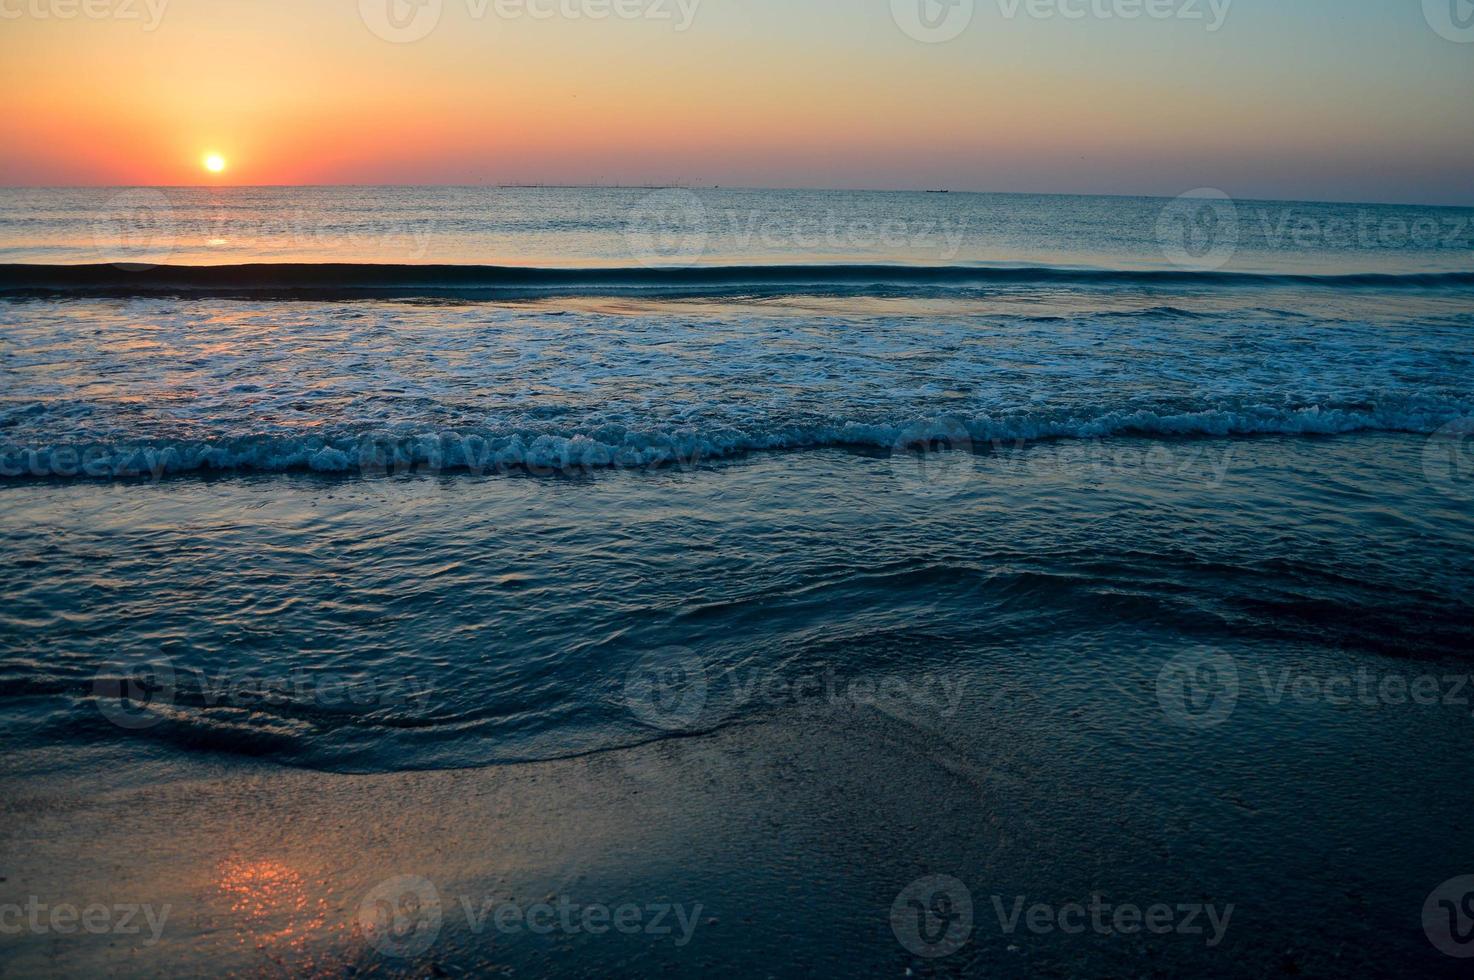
x=1310, y=99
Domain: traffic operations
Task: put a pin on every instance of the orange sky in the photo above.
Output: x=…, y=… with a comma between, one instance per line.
x=756, y=92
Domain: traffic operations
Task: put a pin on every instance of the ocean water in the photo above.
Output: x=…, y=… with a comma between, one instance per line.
x=701, y=456
x=621, y=227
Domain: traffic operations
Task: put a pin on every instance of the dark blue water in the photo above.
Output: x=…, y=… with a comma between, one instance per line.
x=454, y=620
x=367, y=518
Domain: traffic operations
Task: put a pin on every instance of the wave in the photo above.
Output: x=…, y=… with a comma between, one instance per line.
x=351, y=281
x=486, y=452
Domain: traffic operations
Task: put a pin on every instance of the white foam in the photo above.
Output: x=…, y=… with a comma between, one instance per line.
x=483, y=452
x=102, y=389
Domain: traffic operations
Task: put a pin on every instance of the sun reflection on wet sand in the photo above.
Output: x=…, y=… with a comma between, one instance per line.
x=273, y=906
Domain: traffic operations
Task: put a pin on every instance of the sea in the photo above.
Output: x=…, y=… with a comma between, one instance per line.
x=365, y=479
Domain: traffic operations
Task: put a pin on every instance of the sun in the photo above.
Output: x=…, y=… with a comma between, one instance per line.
x=215, y=163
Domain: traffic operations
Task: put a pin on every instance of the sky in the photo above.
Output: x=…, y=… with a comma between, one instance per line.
x=1348, y=100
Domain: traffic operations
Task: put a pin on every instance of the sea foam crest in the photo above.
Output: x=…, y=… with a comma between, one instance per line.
x=380, y=452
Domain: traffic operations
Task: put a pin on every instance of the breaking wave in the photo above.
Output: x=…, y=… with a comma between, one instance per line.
x=352, y=281
x=488, y=452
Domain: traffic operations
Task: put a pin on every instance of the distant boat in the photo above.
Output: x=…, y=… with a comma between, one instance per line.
x=939, y=192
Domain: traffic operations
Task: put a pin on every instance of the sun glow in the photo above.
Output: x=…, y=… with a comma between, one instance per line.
x=215, y=163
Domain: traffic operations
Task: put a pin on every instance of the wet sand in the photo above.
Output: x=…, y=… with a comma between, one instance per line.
x=775, y=848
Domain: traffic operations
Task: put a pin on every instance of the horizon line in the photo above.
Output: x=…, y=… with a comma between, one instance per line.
x=725, y=187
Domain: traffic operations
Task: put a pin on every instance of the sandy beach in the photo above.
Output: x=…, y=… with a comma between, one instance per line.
x=776, y=848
